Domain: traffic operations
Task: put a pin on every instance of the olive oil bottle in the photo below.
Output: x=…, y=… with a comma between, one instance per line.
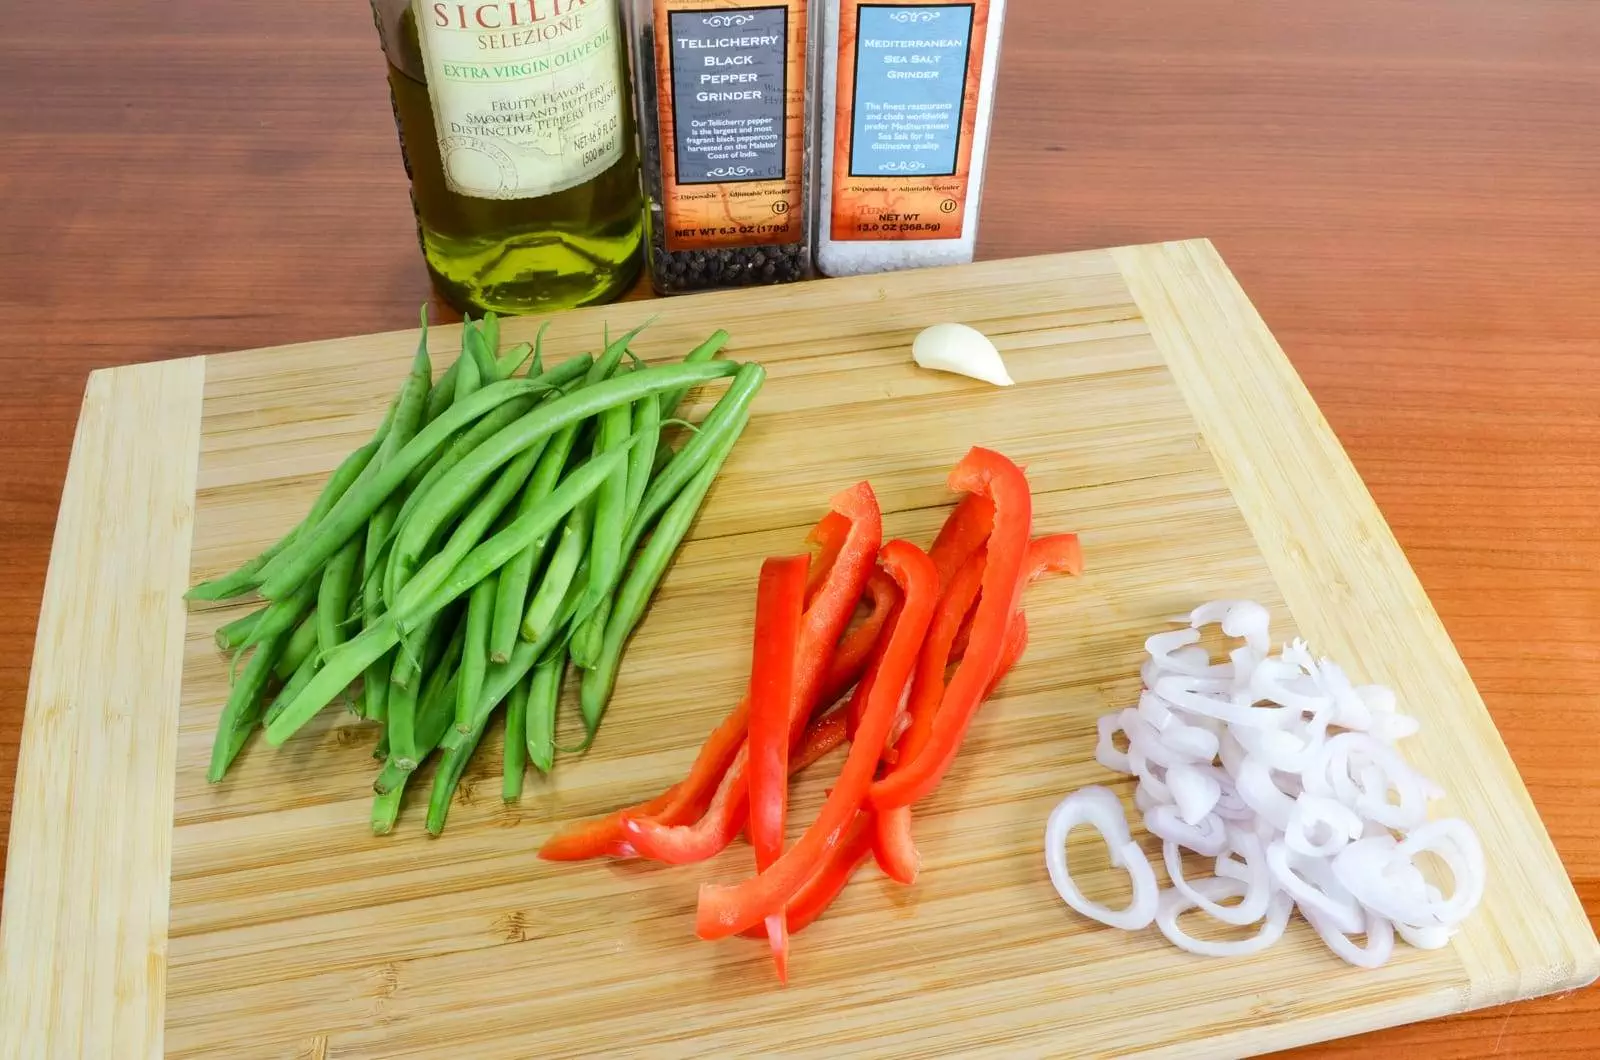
x=517, y=135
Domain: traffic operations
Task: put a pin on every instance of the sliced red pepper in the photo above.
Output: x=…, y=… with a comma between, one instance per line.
x=963, y=533
x=892, y=842
x=843, y=859
x=822, y=736
x=927, y=686
x=829, y=536
x=599, y=838
x=727, y=910
x=987, y=472
x=855, y=650
x=1052, y=553
x=893, y=846
x=825, y=620
x=1016, y=644
x=780, y=599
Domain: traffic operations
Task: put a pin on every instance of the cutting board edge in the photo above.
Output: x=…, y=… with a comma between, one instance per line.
x=89, y=868
x=1348, y=551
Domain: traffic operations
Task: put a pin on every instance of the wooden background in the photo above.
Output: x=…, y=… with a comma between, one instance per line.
x=1407, y=189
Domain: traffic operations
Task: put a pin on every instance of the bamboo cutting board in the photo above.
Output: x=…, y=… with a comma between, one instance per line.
x=148, y=913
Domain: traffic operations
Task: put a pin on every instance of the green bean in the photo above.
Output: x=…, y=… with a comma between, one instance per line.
x=605, y=366
x=558, y=575
x=291, y=688
x=443, y=394
x=340, y=667
x=499, y=682
x=248, y=577
x=448, y=457
x=498, y=679
x=641, y=462
x=424, y=475
x=231, y=635
x=515, y=758
x=375, y=688
x=408, y=417
x=507, y=368
x=402, y=724
x=728, y=415
x=442, y=672
x=380, y=750
x=707, y=350
x=407, y=662
x=483, y=512
x=544, y=695
x=442, y=649
x=475, y=653
x=429, y=593
x=429, y=472
x=448, y=775
x=386, y=808
x=610, y=508
x=469, y=377
x=588, y=637
x=471, y=529
x=517, y=576
x=243, y=709
x=507, y=364
x=489, y=329
x=633, y=596
x=290, y=568
x=333, y=595
x=454, y=489
x=290, y=613
x=302, y=643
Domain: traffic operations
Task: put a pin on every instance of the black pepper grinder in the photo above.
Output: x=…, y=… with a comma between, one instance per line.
x=725, y=128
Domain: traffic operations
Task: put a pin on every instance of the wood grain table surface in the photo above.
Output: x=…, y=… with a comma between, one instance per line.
x=1408, y=189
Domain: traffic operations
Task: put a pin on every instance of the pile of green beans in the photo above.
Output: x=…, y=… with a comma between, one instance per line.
x=498, y=532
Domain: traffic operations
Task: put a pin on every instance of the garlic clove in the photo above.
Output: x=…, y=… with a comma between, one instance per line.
x=960, y=349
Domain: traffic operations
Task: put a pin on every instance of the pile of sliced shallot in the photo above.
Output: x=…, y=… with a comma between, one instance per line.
x=1286, y=774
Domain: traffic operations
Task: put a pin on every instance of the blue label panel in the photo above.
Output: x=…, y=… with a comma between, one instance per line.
x=729, y=70
x=911, y=78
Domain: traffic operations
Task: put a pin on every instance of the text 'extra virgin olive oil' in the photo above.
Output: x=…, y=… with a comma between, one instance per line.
x=517, y=134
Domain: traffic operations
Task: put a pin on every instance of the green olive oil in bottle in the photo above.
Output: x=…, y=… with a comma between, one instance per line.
x=517, y=134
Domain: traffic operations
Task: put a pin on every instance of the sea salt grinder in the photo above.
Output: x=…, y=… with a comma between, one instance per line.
x=907, y=93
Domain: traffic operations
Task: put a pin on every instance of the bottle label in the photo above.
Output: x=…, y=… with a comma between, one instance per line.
x=907, y=108
x=527, y=94
x=730, y=85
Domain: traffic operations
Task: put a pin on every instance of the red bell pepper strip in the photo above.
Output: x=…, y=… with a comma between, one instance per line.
x=727, y=910
x=605, y=837
x=829, y=537
x=892, y=845
x=593, y=839
x=927, y=686
x=855, y=650
x=1016, y=644
x=843, y=859
x=963, y=533
x=780, y=600
x=822, y=736
x=825, y=619
x=1052, y=553
x=892, y=842
x=980, y=471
